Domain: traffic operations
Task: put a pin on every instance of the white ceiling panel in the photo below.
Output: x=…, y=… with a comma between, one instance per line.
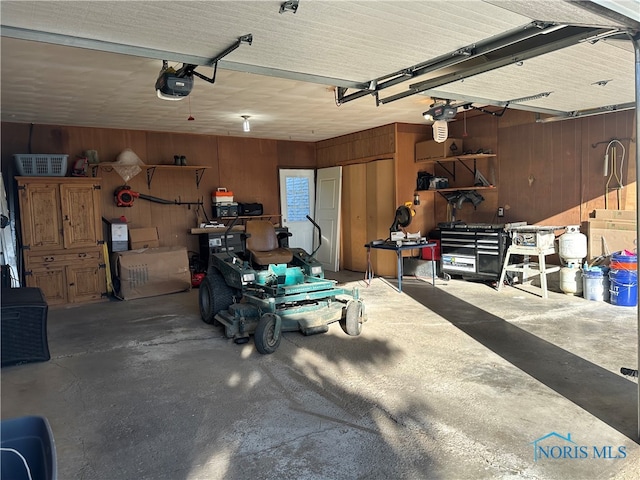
x=340, y=39
x=563, y=11
x=301, y=57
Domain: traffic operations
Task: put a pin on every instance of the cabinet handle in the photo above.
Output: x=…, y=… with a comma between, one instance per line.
x=66, y=218
x=82, y=255
x=72, y=284
x=49, y=259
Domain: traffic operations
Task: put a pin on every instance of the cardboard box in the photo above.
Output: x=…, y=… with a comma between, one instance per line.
x=152, y=271
x=432, y=150
x=612, y=224
x=143, y=238
x=607, y=236
x=615, y=214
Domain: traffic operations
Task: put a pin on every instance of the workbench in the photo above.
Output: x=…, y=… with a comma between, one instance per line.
x=399, y=248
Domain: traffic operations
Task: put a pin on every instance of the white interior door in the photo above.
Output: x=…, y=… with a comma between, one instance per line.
x=329, y=192
x=297, y=200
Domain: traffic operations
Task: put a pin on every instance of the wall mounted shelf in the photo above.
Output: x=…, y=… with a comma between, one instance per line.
x=456, y=189
x=151, y=169
x=461, y=159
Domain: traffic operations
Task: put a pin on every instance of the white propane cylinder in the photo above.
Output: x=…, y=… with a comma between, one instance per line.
x=571, y=280
x=573, y=245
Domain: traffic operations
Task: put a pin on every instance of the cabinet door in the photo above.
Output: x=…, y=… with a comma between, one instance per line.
x=86, y=282
x=354, y=218
x=368, y=211
x=381, y=212
x=52, y=281
x=40, y=216
x=81, y=217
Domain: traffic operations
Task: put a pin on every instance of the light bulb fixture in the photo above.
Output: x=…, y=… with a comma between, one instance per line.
x=245, y=124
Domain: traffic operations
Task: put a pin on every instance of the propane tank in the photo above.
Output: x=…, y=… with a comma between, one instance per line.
x=573, y=246
x=571, y=280
x=572, y=249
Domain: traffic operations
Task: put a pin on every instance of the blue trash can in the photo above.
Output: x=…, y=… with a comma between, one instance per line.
x=27, y=449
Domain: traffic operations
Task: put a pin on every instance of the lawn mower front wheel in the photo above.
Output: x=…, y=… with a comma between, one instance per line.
x=352, y=318
x=268, y=333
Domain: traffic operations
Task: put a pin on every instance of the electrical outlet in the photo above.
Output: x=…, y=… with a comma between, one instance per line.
x=500, y=212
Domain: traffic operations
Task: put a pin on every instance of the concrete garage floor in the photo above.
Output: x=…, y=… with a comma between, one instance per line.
x=451, y=382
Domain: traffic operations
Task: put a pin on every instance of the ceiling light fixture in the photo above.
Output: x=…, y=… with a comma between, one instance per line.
x=245, y=123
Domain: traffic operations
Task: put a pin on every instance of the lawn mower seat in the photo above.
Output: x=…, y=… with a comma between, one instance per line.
x=262, y=244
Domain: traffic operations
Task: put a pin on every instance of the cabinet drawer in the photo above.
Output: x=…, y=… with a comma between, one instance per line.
x=62, y=258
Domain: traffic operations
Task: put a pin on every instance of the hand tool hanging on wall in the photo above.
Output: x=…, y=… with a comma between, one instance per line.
x=124, y=197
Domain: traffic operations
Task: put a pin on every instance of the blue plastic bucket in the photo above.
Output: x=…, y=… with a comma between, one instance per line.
x=624, y=261
x=624, y=288
x=595, y=284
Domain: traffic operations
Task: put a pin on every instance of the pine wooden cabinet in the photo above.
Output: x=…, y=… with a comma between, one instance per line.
x=61, y=223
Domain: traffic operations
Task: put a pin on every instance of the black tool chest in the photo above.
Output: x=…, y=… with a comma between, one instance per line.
x=474, y=250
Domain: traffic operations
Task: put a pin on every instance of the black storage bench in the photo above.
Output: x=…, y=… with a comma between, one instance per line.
x=24, y=326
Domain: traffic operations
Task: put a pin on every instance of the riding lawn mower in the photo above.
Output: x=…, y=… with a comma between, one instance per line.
x=267, y=289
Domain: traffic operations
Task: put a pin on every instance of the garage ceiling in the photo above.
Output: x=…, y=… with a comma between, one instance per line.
x=95, y=63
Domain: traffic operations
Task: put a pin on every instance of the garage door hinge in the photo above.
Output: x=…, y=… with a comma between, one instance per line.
x=100, y=242
x=22, y=187
x=28, y=272
x=102, y=265
x=26, y=247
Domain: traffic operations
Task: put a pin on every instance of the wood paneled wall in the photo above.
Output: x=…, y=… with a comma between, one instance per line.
x=374, y=144
x=246, y=166
x=551, y=173
x=546, y=173
x=407, y=174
